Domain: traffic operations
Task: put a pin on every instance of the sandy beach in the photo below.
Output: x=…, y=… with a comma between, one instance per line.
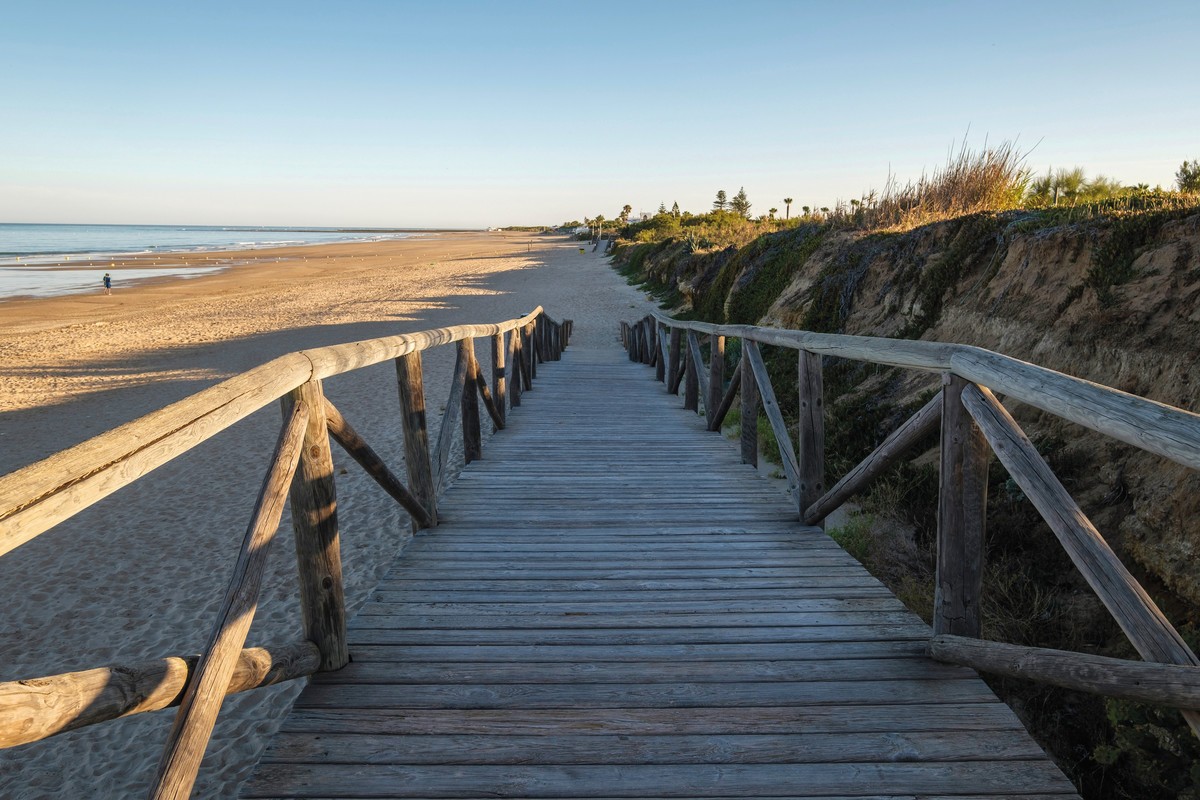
x=141, y=574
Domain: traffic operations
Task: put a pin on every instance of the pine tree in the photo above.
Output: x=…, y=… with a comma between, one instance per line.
x=675, y=209
x=721, y=203
x=740, y=204
x=662, y=208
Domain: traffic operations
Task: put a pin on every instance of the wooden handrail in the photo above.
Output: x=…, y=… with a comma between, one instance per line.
x=37, y=497
x=1152, y=426
x=972, y=419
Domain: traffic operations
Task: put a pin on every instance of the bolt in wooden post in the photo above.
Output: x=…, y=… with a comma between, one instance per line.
x=962, y=502
x=716, y=379
x=410, y=381
x=673, y=360
x=499, y=378
x=314, y=521
x=472, y=438
x=811, y=435
x=749, y=411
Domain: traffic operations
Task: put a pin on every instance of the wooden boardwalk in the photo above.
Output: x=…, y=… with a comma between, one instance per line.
x=613, y=606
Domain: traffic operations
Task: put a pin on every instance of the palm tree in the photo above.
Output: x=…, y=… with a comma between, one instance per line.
x=772, y=214
x=787, y=202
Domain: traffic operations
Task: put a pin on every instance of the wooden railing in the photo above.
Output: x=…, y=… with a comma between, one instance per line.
x=973, y=426
x=34, y=499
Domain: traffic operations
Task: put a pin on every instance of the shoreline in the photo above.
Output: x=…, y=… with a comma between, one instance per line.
x=183, y=259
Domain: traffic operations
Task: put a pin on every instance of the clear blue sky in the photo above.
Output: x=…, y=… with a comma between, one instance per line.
x=494, y=113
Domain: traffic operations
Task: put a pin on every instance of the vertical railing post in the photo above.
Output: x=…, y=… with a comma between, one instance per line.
x=314, y=521
x=691, y=381
x=535, y=350
x=716, y=378
x=749, y=411
x=499, y=377
x=660, y=367
x=673, y=360
x=514, y=353
x=962, y=501
x=410, y=382
x=472, y=437
x=810, y=442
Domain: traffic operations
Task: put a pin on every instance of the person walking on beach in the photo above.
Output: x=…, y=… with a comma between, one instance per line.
x=107, y=283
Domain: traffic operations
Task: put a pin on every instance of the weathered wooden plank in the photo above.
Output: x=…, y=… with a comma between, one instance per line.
x=589, y=636
x=685, y=780
x=603, y=605
x=830, y=748
x=559, y=622
x=886, y=717
x=643, y=695
x=642, y=672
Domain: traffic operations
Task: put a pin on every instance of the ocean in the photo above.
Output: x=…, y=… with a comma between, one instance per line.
x=28, y=251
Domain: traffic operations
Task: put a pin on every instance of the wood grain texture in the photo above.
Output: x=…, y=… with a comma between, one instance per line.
x=715, y=385
x=315, y=528
x=410, y=382
x=770, y=406
x=471, y=433
x=450, y=421
x=673, y=358
x=693, y=368
x=37, y=708
x=1146, y=682
x=750, y=406
x=357, y=448
x=500, y=376
x=890, y=451
x=810, y=430
x=962, y=510
x=203, y=696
